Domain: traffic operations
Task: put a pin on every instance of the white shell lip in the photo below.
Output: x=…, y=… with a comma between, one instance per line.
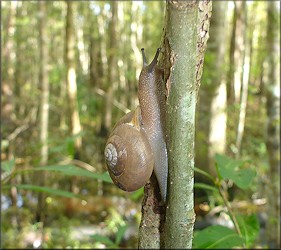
x=111, y=155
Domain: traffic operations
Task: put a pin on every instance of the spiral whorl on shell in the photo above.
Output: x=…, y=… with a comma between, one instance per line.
x=128, y=153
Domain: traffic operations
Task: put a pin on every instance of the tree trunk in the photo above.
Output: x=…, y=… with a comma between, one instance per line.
x=111, y=70
x=71, y=86
x=8, y=66
x=272, y=82
x=71, y=77
x=211, y=133
x=184, y=42
x=44, y=102
x=240, y=11
x=187, y=32
x=244, y=97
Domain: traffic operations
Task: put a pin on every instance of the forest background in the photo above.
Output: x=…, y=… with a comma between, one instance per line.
x=70, y=71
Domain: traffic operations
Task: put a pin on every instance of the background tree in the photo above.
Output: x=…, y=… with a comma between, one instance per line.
x=211, y=127
x=272, y=84
x=44, y=102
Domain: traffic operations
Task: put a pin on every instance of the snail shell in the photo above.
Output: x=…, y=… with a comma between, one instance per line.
x=128, y=154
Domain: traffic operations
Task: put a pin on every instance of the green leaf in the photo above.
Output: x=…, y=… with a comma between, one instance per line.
x=249, y=227
x=137, y=194
x=205, y=186
x=7, y=166
x=216, y=237
x=52, y=191
x=120, y=234
x=231, y=169
x=200, y=171
x=76, y=171
x=103, y=239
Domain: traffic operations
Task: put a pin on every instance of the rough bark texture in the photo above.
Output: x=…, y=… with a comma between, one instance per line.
x=185, y=44
x=273, y=126
x=153, y=216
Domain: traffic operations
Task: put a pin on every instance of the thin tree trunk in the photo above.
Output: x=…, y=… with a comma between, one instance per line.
x=184, y=42
x=8, y=66
x=71, y=87
x=243, y=102
x=44, y=103
x=240, y=10
x=71, y=77
x=185, y=52
x=7, y=110
x=211, y=115
x=272, y=82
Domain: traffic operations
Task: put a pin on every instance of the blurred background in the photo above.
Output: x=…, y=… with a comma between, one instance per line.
x=70, y=72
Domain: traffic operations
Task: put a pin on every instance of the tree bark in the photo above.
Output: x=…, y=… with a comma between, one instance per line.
x=240, y=11
x=112, y=66
x=185, y=43
x=44, y=102
x=244, y=97
x=8, y=66
x=272, y=82
x=71, y=77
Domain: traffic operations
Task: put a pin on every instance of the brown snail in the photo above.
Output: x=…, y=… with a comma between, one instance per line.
x=137, y=144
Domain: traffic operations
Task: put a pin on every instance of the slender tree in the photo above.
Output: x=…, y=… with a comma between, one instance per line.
x=71, y=77
x=44, y=101
x=272, y=82
x=112, y=69
x=211, y=135
x=184, y=42
x=186, y=38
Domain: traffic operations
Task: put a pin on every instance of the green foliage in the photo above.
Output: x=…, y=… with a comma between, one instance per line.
x=76, y=171
x=107, y=241
x=231, y=169
x=48, y=190
x=247, y=228
x=217, y=237
x=7, y=166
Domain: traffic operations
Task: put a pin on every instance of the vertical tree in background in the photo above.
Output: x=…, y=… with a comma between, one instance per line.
x=44, y=100
x=71, y=77
x=272, y=88
x=217, y=133
x=71, y=87
x=235, y=74
x=8, y=51
x=239, y=47
x=112, y=65
x=211, y=133
x=245, y=83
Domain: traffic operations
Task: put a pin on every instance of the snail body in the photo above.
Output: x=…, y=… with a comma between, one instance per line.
x=131, y=166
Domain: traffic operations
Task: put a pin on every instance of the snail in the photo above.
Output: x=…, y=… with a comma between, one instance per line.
x=137, y=143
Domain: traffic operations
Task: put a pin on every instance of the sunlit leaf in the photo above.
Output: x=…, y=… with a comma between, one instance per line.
x=216, y=237
x=7, y=166
x=137, y=194
x=52, y=191
x=120, y=233
x=103, y=239
x=231, y=169
x=249, y=227
x=76, y=171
